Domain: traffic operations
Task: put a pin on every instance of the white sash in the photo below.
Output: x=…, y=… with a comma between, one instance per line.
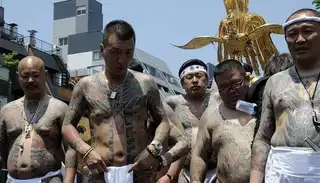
x=292, y=165
x=211, y=175
x=35, y=180
x=118, y=174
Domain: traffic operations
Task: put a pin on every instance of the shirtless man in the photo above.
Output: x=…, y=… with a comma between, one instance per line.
x=118, y=101
x=30, y=129
x=290, y=109
x=224, y=131
x=189, y=108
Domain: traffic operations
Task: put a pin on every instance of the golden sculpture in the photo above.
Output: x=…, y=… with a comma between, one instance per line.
x=241, y=35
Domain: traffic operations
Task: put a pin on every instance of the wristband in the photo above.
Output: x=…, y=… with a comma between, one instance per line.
x=88, y=152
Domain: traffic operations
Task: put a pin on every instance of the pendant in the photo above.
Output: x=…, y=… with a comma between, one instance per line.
x=315, y=119
x=113, y=95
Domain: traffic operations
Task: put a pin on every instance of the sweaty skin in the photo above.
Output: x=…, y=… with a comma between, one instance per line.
x=42, y=152
x=228, y=135
x=117, y=125
x=189, y=114
x=286, y=118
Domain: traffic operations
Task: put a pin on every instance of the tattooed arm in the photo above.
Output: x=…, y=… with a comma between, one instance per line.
x=201, y=152
x=72, y=117
x=2, y=139
x=261, y=143
x=157, y=111
x=177, y=137
x=71, y=165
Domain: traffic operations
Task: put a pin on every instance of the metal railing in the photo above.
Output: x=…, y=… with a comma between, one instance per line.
x=10, y=33
x=86, y=71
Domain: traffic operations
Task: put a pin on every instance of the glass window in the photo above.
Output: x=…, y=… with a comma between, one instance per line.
x=63, y=41
x=81, y=10
x=96, y=55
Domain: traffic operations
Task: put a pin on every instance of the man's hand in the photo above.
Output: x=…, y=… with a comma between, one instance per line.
x=145, y=161
x=95, y=163
x=164, y=179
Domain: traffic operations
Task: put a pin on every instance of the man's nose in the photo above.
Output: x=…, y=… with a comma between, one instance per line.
x=30, y=80
x=300, y=39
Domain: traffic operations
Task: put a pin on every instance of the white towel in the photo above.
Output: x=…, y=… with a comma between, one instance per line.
x=35, y=180
x=292, y=165
x=118, y=175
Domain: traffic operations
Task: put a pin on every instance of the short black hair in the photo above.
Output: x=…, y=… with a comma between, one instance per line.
x=227, y=66
x=122, y=29
x=192, y=62
x=278, y=63
x=304, y=10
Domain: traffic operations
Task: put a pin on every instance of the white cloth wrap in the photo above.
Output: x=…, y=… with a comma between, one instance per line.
x=211, y=175
x=191, y=69
x=292, y=165
x=34, y=180
x=118, y=174
x=300, y=19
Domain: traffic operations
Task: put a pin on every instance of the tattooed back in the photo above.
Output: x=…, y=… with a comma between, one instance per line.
x=118, y=125
x=41, y=152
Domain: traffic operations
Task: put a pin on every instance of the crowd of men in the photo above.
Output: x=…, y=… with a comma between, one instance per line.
x=196, y=137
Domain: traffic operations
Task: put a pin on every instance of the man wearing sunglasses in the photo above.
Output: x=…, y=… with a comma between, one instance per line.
x=224, y=131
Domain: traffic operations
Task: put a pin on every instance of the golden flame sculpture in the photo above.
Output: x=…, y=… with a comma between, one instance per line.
x=241, y=35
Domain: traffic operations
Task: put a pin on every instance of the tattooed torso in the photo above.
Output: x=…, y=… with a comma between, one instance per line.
x=232, y=135
x=189, y=115
x=292, y=109
x=41, y=151
x=118, y=126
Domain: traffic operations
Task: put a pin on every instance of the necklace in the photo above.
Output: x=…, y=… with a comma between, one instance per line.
x=114, y=91
x=311, y=98
x=29, y=124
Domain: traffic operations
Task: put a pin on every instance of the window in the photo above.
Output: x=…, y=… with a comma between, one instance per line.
x=81, y=10
x=63, y=41
x=96, y=55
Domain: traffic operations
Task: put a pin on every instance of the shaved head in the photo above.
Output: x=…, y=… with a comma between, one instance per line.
x=32, y=77
x=31, y=61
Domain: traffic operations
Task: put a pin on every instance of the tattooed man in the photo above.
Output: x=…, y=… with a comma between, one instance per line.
x=224, y=131
x=189, y=108
x=118, y=101
x=30, y=129
x=290, y=109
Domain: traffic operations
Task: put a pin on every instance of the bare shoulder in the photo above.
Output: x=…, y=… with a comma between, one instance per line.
x=173, y=100
x=58, y=104
x=145, y=81
x=11, y=106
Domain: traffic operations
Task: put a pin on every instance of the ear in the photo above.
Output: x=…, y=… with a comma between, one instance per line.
x=247, y=80
x=17, y=75
x=101, y=48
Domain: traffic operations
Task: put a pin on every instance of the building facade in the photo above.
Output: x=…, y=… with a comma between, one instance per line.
x=80, y=40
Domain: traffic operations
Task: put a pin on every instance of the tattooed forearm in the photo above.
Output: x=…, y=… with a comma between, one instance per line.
x=157, y=112
x=202, y=147
x=72, y=118
x=181, y=147
x=2, y=138
x=71, y=158
x=261, y=144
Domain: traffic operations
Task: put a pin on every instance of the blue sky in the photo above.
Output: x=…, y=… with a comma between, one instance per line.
x=157, y=23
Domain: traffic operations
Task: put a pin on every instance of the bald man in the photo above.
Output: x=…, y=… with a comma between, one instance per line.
x=30, y=129
x=290, y=110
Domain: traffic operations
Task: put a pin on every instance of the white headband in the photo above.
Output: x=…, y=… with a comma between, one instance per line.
x=191, y=69
x=300, y=19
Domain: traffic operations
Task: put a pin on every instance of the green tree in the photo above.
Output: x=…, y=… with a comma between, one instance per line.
x=316, y=3
x=9, y=59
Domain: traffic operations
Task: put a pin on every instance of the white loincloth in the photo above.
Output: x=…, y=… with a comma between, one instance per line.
x=118, y=174
x=292, y=165
x=211, y=175
x=34, y=180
